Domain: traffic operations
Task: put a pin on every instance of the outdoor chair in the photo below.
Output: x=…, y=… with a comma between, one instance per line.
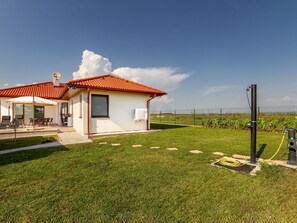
x=5, y=121
x=20, y=119
x=31, y=122
x=46, y=121
x=50, y=122
x=40, y=121
x=64, y=119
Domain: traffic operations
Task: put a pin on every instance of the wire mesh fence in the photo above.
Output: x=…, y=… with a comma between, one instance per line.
x=196, y=117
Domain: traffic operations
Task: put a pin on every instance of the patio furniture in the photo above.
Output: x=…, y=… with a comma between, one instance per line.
x=64, y=118
x=31, y=122
x=5, y=121
x=20, y=120
x=40, y=121
x=50, y=122
x=46, y=121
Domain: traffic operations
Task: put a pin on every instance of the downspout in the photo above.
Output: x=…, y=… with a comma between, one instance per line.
x=148, y=111
x=88, y=116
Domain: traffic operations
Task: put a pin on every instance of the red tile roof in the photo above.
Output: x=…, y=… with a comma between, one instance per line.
x=105, y=82
x=114, y=83
x=44, y=90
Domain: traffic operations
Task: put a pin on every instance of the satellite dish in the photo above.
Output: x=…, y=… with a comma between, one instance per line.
x=56, y=75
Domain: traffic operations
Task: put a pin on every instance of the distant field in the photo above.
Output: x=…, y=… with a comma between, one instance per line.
x=266, y=122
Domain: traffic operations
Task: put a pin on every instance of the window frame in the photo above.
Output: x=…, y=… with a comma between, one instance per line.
x=107, y=106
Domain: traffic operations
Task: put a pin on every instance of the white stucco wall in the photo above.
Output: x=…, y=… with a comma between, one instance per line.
x=121, y=113
x=4, y=108
x=79, y=123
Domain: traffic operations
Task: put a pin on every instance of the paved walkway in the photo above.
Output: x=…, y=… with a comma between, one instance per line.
x=65, y=138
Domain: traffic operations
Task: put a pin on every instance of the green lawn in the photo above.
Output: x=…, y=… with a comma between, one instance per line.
x=23, y=142
x=101, y=183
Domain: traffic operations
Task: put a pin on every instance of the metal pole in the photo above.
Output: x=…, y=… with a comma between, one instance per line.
x=253, y=122
x=33, y=112
x=258, y=110
x=194, y=117
x=175, y=117
x=160, y=116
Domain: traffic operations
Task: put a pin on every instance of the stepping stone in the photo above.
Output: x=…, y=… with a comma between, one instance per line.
x=238, y=156
x=136, y=146
x=102, y=143
x=195, y=151
x=116, y=144
x=172, y=149
x=218, y=153
x=155, y=147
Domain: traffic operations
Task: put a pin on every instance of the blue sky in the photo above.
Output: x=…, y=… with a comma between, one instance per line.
x=220, y=46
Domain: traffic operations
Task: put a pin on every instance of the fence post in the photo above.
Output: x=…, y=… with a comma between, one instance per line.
x=258, y=110
x=221, y=112
x=194, y=117
x=175, y=117
x=160, y=116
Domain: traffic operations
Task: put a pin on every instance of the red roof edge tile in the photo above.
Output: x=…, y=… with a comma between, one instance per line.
x=146, y=89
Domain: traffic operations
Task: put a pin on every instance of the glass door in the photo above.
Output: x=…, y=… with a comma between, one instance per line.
x=18, y=109
x=28, y=113
x=64, y=113
x=39, y=111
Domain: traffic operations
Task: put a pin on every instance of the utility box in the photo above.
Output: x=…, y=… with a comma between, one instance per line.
x=292, y=147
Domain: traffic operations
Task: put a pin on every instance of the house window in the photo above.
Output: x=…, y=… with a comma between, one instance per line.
x=100, y=106
x=80, y=106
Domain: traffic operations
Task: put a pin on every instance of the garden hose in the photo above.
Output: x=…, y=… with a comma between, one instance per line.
x=226, y=161
x=280, y=145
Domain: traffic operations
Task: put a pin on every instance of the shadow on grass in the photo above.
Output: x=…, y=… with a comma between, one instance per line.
x=261, y=150
x=166, y=126
x=23, y=156
x=7, y=144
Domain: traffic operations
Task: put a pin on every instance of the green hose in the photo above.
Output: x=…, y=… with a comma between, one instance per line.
x=226, y=161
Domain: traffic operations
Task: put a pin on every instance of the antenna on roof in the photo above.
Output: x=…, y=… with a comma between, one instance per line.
x=56, y=77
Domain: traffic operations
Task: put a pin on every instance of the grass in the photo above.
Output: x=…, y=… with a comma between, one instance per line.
x=101, y=183
x=23, y=142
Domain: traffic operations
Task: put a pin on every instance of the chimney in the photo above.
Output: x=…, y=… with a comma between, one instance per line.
x=56, y=78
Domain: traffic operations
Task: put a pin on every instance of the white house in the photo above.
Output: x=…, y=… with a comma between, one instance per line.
x=100, y=104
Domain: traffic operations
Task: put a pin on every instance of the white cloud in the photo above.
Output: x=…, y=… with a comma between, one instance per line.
x=6, y=85
x=164, y=99
x=282, y=99
x=18, y=84
x=92, y=65
x=217, y=89
x=165, y=78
